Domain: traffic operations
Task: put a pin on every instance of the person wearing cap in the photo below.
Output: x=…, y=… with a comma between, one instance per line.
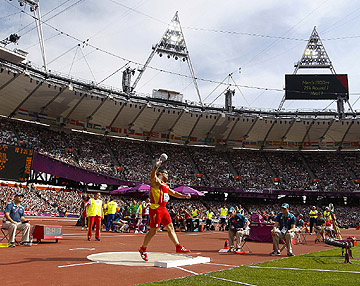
x=238, y=226
x=313, y=216
x=271, y=217
x=14, y=219
x=299, y=221
x=284, y=228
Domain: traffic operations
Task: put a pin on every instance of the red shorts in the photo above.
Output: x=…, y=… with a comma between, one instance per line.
x=159, y=215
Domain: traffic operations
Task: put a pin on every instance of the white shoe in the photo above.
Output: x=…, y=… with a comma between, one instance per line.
x=136, y=231
x=82, y=228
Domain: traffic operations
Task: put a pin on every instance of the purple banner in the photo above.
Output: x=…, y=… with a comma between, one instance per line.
x=42, y=163
x=261, y=232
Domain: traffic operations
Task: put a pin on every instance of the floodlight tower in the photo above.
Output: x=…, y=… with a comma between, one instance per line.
x=172, y=44
x=315, y=56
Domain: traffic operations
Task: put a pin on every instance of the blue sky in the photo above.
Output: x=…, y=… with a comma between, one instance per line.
x=264, y=38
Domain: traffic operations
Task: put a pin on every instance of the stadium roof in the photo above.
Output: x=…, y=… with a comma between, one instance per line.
x=28, y=93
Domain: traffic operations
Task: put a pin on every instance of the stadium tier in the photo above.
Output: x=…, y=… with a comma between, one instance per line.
x=205, y=167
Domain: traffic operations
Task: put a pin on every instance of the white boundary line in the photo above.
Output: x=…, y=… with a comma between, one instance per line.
x=183, y=269
x=79, y=264
x=214, y=277
x=210, y=263
x=232, y=281
x=302, y=269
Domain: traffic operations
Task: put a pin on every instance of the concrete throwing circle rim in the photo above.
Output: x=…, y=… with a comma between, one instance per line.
x=133, y=258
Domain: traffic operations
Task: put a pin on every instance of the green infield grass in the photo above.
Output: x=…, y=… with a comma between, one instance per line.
x=269, y=273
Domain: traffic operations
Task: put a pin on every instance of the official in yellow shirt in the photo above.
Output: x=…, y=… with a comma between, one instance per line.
x=95, y=214
x=111, y=210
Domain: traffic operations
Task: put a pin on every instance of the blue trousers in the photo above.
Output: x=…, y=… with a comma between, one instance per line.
x=109, y=223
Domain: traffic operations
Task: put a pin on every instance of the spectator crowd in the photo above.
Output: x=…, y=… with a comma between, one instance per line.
x=131, y=160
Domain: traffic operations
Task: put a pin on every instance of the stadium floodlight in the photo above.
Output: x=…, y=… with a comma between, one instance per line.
x=172, y=44
x=315, y=55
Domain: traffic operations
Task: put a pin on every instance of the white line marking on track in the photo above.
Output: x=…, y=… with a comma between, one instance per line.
x=82, y=248
x=80, y=264
x=302, y=269
x=222, y=264
x=183, y=269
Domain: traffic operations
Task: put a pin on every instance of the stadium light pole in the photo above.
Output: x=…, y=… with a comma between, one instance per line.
x=35, y=8
x=172, y=44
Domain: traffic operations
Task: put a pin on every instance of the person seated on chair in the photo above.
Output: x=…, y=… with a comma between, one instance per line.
x=284, y=228
x=14, y=219
x=319, y=227
x=299, y=223
x=238, y=227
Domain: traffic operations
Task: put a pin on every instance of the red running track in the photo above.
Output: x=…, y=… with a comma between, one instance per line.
x=39, y=264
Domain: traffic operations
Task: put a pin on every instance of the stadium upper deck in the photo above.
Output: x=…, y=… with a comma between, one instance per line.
x=29, y=93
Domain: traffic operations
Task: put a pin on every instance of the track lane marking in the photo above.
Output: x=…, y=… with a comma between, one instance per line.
x=79, y=264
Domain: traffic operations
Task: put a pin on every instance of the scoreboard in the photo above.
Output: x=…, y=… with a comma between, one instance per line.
x=316, y=86
x=15, y=162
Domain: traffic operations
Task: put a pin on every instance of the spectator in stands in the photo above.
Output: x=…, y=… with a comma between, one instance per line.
x=14, y=219
x=284, y=228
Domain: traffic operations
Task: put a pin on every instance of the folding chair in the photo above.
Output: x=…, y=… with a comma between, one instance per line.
x=5, y=233
x=244, y=244
x=283, y=242
x=300, y=237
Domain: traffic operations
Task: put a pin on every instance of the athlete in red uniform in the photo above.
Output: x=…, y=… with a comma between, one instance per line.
x=159, y=196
